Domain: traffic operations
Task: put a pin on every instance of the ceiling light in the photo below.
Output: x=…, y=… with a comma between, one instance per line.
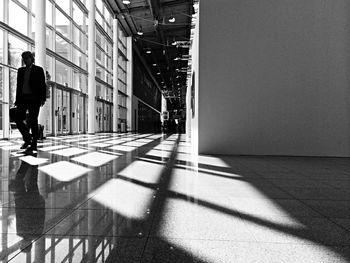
x=126, y=2
x=154, y=64
x=140, y=32
x=149, y=51
x=158, y=73
x=171, y=18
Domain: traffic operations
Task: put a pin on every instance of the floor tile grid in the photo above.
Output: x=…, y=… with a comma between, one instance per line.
x=171, y=162
x=293, y=197
x=151, y=218
x=67, y=214
x=316, y=211
x=310, y=207
x=62, y=218
x=282, y=169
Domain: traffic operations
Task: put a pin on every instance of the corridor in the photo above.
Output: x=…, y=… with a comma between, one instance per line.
x=146, y=198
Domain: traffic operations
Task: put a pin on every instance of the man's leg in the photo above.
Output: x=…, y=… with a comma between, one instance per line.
x=33, y=110
x=22, y=127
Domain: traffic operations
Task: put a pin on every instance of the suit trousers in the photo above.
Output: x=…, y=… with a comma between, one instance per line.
x=33, y=108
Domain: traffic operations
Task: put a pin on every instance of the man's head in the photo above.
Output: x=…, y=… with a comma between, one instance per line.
x=28, y=58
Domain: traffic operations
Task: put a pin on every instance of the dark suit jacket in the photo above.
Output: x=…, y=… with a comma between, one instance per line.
x=36, y=83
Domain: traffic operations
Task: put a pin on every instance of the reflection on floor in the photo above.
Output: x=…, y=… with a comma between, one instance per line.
x=146, y=198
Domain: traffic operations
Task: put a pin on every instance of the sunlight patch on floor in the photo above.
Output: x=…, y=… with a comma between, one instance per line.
x=64, y=171
x=123, y=197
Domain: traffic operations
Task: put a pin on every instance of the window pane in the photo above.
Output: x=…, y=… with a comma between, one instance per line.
x=64, y=4
x=78, y=37
x=16, y=12
x=49, y=71
x=24, y=2
x=107, y=15
x=78, y=16
x=1, y=46
x=99, y=5
x=99, y=19
x=62, y=73
x=48, y=12
x=110, y=32
x=98, y=38
x=109, y=64
x=16, y=47
x=62, y=47
x=109, y=78
x=84, y=86
x=49, y=40
x=77, y=80
x=62, y=24
x=13, y=84
x=98, y=72
x=98, y=90
x=33, y=28
x=78, y=58
x=33, y=6
x=98, y=54
x=2, y=10
x=1, y=82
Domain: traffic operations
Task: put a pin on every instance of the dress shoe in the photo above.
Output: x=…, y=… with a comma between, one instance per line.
x=25, y=145
x=33, y=147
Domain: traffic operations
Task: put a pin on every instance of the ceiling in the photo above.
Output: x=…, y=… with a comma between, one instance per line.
x=164, y=43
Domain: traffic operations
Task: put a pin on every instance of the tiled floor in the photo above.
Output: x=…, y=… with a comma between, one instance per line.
x=146, y=198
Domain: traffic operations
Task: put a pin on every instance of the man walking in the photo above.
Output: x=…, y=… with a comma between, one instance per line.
x=30, y=95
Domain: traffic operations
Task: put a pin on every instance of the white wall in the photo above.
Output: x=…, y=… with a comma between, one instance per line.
x=192, y=93
x=274, y=77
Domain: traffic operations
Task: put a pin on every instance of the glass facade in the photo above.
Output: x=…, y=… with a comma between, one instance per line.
x=104, y=70
x=66, y=62
x=122, y=85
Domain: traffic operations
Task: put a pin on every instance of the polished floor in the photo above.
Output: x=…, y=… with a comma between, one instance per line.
x=146, y=198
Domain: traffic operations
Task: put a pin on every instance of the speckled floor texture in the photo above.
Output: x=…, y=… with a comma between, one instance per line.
x=145, y=198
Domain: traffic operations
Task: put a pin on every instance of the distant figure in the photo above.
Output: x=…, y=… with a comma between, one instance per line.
x=29, y=205
x=30, y=95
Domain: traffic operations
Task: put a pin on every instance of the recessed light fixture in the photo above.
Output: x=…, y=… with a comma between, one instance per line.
x=171, y=19
x=126, y=2
x=140, y=32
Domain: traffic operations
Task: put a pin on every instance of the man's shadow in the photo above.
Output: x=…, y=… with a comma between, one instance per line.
x=29, y=205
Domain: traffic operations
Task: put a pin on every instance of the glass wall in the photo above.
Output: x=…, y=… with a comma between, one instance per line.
x=104, y=70
x=122, y=95
x=67, y=59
